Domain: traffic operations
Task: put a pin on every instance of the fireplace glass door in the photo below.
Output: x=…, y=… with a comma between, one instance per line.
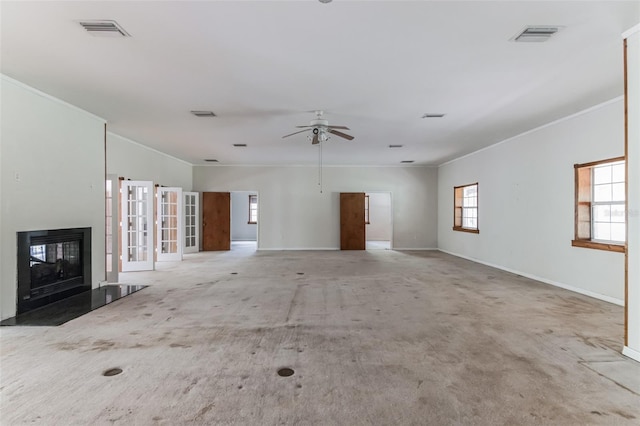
x=137, y=225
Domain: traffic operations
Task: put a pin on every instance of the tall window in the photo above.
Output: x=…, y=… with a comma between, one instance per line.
x=465, y=208
x=600, y=205
x=253, y=209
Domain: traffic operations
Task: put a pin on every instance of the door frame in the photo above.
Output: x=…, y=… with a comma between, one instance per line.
x=390, y=216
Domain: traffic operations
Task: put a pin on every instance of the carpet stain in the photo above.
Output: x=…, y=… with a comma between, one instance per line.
x=191, y=386
x=623, y=414
x=102, y=345
x=204, y=410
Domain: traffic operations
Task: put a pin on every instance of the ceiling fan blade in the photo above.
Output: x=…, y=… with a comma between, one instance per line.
x=295, y=133
x=338, y=127
x=315, y=140
x=342, y=135
x=303, y=127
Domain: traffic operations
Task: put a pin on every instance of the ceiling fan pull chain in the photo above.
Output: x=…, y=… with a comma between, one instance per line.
x=320, y=166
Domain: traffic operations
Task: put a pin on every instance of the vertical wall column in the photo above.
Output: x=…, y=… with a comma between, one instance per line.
x=632, y=128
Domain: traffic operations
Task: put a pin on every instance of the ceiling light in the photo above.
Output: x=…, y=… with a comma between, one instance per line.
x=395, y=146
x=209, y=160
x=407, y=161
x=203, y=113
x=536, y=34
x=240, y=145
x=433, y=115
x=104, y=28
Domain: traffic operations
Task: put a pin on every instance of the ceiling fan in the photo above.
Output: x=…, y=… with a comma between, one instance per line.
x=320, y=129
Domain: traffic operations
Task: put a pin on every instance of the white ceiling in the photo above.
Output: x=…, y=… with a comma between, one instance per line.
x=375, y=66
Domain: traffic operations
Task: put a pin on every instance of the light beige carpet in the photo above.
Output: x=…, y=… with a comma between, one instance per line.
x=379, y=337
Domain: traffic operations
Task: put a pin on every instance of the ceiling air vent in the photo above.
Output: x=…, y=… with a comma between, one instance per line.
x=240, y=145
x=407, y=161
x=210, y=160
x=395, y=146
x=104, y=28
x=536, y=34
x=432, y=115
x=203, y=113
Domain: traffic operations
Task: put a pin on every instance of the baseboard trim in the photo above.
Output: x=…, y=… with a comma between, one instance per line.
x=598, y=296
x=298, y=249
x=631, y=353
x=338, y=249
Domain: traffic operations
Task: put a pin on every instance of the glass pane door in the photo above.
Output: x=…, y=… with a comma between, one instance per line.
x=191, y=232
x=111, y=228
x=169, y=224
x=137, y=225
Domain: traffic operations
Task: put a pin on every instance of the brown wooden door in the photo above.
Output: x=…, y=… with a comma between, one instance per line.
x=352, y=230
x=216, y=221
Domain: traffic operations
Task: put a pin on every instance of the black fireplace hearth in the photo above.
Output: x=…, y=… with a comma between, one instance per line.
x=52, y=265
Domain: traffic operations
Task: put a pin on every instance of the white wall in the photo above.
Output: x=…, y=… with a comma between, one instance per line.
x=293, y=214
x=241, y=230
x=52, y=176
x=526, y=203
x=632, y=348
x=131, y=160
x=379, y=227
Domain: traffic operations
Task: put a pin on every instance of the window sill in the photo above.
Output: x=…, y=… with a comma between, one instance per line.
x=618, y=248
x=470, y=230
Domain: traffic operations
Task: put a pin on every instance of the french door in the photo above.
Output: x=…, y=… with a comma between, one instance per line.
x=169, y=231
x=191, y=229
x=111, y=228
x=137, y=225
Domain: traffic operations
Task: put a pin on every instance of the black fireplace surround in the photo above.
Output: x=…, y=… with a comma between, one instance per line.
x=52, y=265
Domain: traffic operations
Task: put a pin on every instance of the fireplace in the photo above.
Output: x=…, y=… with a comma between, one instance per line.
x=52, y=265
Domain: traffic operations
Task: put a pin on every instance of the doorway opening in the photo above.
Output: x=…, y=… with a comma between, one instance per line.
x=244, y=220
x=378, y=223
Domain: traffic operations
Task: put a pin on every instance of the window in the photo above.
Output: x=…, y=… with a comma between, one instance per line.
x=253, y=209
x=366, y=210
x=600, y=205
x=465, y=208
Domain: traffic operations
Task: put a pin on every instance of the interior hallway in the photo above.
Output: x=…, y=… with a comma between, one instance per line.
x=374, y=337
